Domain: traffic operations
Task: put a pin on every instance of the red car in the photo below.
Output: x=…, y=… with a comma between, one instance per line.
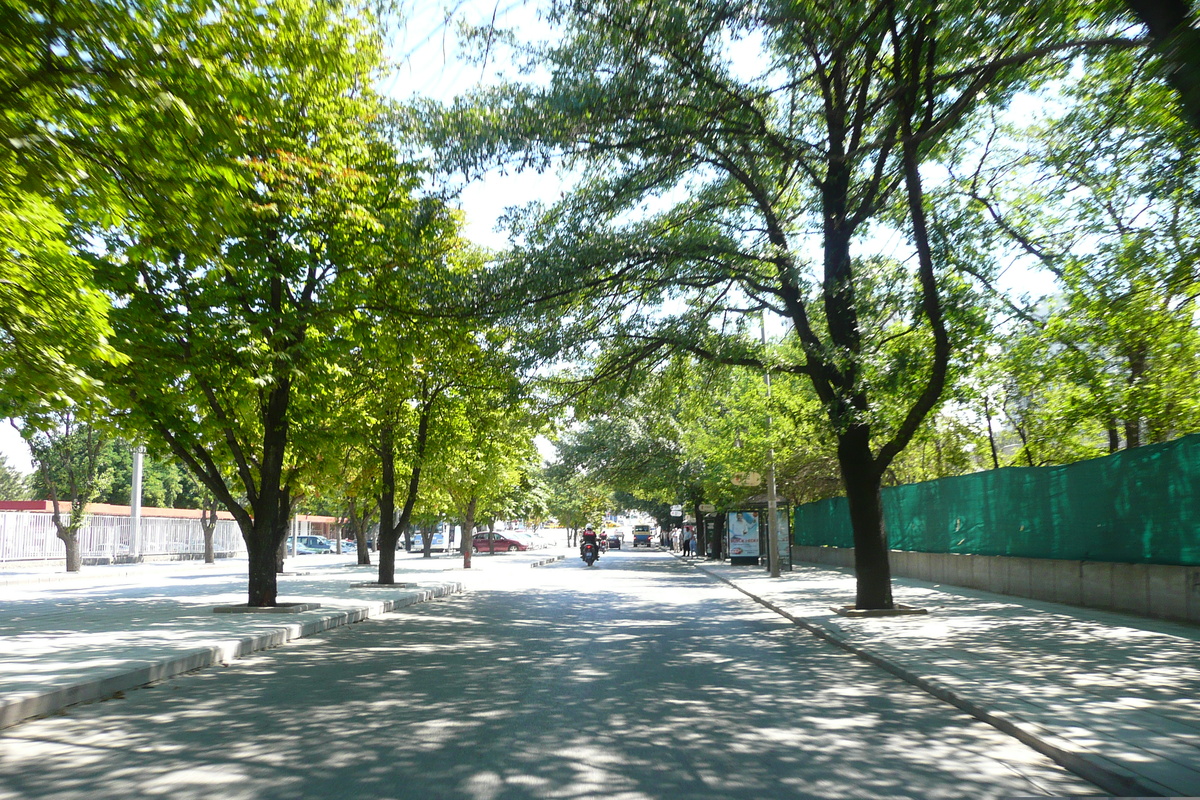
x=495, y=541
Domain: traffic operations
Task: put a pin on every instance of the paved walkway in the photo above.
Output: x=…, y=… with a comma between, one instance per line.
x=1114, y=698
x=66, y=638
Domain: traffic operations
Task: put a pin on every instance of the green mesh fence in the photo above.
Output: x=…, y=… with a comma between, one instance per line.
x=1136, y=506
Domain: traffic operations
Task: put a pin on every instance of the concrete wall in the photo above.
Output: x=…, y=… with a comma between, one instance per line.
x=1148, y=590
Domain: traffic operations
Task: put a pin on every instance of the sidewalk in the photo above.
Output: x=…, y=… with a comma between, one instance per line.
x=72, y=638
x=1113, y=698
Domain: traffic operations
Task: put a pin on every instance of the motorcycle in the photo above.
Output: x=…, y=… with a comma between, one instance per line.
x=589, y=554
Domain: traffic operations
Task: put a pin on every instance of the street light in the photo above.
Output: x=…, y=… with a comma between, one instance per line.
x=772, y=509
x=135, y=505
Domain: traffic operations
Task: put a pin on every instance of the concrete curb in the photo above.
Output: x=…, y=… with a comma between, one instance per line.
x=20, y=707
x=546, y=561
x=1110, y=777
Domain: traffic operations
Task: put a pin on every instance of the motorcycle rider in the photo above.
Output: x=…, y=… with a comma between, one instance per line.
x=589, y=537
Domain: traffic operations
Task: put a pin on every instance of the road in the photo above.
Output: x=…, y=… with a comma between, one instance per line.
x=639, y=678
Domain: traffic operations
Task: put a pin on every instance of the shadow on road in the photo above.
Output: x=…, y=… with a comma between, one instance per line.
x=638, y=680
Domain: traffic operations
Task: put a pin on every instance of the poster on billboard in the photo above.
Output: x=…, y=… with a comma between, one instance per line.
x=747, y=531
x=743, y=534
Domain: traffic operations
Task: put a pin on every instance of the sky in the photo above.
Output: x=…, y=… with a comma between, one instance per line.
x=433, y=61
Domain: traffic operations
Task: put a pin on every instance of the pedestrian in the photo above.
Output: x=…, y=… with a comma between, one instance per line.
x=687, y=544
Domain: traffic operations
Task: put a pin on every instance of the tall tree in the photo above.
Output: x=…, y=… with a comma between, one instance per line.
x=234, y=311
x=762, y=127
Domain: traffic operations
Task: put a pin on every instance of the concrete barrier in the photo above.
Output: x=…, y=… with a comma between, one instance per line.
x=1158, y=591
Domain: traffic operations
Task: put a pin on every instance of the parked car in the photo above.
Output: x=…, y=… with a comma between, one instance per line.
x=318, y=544
x=530, y=541
x=642, y=536
x=495, y=541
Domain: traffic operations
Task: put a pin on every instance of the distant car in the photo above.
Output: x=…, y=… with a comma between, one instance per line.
x=300, y=549
x=495, y=541
x=614, y=541
x=642, y=536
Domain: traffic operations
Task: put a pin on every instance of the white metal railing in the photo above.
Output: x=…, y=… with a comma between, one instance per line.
x=31, y=536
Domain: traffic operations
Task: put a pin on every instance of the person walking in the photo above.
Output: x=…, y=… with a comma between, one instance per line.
x=687, y=544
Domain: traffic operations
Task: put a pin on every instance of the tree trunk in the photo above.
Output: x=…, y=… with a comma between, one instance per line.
x=208, y=526
x=468, y=532
x=263, y=553
x=387, y=556
x=864, y=485
x=70, y=540
x=987, y=410
x=718, y=542
x=265, y=540
x=1133, y=433
x=1137, y=372
x=358, y=525
x=387, y=507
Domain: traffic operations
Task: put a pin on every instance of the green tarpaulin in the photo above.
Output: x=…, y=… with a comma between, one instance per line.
x=1136, y=506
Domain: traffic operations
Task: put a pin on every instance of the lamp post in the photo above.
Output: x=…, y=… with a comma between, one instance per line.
x=772, y=509
x=135, y=505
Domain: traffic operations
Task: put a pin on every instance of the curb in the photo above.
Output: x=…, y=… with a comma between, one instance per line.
x=546, y=561
x=18, y=708
x=1110, y=777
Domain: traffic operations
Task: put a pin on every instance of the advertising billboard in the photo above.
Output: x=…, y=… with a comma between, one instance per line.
x=744, y=534
x=747, y=532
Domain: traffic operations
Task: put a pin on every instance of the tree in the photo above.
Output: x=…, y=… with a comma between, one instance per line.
x=208, y=526
x=235, y=311
x=490, y=453
x=66, y=447
x=13, y=485
x=1101, y=193
x=164, y=483
x=90, y=116
x=1174, y=27
x=575, y=499
x=820, y=135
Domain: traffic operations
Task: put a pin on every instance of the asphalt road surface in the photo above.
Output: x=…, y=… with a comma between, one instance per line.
x=638, y=678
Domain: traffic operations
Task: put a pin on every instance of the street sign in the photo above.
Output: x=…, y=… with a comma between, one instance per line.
x=707, y=508
x=676, y=511
x=747, y=479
